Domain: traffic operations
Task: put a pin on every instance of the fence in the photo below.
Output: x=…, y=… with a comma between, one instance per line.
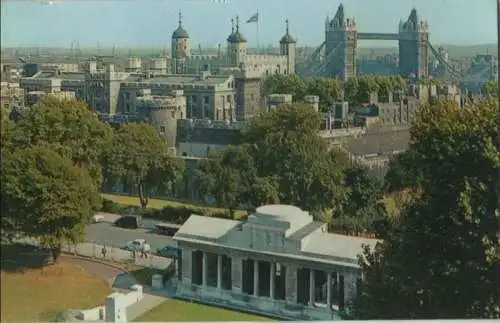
x=95, y=251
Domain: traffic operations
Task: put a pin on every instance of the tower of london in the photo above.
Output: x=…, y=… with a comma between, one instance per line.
x=236, y=56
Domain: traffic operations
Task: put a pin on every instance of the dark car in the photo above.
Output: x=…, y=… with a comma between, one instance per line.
x=129, y=221
x=169, y=251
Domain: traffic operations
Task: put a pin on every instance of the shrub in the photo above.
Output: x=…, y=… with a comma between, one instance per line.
x=110, y=206
x=169, y=272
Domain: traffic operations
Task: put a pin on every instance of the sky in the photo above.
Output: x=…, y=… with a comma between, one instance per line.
x=134, y=23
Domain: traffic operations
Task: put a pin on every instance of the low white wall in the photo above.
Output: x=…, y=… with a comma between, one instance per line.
x=92, y=314
x=133, y=297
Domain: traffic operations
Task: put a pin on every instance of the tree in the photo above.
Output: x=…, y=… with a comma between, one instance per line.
x=285, y=146
x=403, y=173
x=442, y=260
x=328, y=89
x=364, y=189
x=227, y=176
x=138, y=156
x=70, y=127
x=46, y=196
x=490, y=88
x=285, y=84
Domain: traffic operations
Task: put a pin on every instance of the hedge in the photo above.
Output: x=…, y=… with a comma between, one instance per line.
x=170, y=214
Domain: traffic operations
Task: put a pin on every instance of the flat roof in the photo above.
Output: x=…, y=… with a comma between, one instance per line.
x=181, y=79
x=206, y=227
x=335, y=245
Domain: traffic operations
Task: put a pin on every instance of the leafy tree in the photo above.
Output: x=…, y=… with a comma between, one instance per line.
x=70, y=127
x=442, y=260
x=138, y=156
x=403, y=173
x=364, y=189
x=285, y=146
x=490, y=87
x=285, y=84
x=46, y=196
x=226, y=175
x=329, y=91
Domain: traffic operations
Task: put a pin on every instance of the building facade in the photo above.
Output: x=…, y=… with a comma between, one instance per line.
x=236, y=55
x=279, y=262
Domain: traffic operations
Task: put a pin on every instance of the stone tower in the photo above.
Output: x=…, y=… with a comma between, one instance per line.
x=341, y=41
x=180, y=48
x=288, y=46
x=236, y=45
x=413, y=47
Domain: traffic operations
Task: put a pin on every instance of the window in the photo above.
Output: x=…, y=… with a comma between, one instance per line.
x=127, y=95
x=206, y=99
x=193, y=99
x=162, y=129
x=127, y=108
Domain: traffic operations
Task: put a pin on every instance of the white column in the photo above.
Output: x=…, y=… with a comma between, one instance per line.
x=272, y=282
x=311, y=287
x=204, y=269
x=329, y=290
x=256, y=278
x=219, y=271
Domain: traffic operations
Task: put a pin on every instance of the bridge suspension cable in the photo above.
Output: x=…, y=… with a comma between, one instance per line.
x=322, y=64
x=448, y=66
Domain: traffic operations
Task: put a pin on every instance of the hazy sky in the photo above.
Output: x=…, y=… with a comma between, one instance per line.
x=151, y=22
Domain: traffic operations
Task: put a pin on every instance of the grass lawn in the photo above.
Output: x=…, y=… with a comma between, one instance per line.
x=182, y=311
x=159, y=204
x=39, y=294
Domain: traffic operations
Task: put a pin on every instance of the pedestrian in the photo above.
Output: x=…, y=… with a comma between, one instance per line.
x=133, y=253
x=145, y=249
x=103, y=251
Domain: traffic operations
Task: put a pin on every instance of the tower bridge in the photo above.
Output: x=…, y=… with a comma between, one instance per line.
x=336, y=56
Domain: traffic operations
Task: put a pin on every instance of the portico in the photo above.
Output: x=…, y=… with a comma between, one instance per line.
x=278, y=262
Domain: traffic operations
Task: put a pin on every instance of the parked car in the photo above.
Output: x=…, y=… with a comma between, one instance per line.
x=168, y=251
x=97, y=218
x=136, y=245
x=167, y=228
x=129, y=221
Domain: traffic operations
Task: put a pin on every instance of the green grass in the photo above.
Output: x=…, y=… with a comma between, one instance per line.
x=32, y=291
x=159, y=204
x=182, y=311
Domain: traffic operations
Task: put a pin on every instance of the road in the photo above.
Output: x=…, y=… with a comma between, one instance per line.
x=107, y=234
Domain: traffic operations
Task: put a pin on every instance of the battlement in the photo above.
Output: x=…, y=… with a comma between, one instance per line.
x=204, y=57
x=209, y=124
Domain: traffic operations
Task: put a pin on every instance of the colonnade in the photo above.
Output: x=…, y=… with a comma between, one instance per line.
x=272, y=280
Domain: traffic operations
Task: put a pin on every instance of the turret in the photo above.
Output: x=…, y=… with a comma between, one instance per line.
x=180, y=48
x=287, y=48
x=236, y=45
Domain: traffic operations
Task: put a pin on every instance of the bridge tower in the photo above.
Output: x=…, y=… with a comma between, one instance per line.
x=341, y=40
x=413, y=47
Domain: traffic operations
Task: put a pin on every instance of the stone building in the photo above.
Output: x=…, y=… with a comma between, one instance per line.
x=11, y=94
x=162, y=112
x=279, y=262
x=236, y=56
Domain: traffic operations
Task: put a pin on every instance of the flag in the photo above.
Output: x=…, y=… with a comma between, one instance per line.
x=254, y=18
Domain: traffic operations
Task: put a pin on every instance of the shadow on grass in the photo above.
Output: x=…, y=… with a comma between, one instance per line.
x=144, y=276
x=18, y=257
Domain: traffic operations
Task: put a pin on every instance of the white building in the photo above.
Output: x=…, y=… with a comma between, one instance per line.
x=278, y=262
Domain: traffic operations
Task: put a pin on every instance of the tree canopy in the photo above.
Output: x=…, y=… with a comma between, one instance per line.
x=46, y=196
x=70, y=127
x=442, y=260
x=138, y=156
x=283, y=159
x=355, y=90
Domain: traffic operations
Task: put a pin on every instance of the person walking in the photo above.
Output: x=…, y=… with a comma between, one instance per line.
x=145, y=250
x=104, y=251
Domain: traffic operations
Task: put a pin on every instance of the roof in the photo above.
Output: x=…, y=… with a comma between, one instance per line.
x=206, y=227
x=287, y=39
x=236, y=37
x=335, y=245
x=181, y=79
x=293, y=215
x=180, y=33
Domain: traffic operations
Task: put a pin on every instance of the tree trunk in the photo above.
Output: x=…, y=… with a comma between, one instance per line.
x=231, y=213
x=56, y=252
x=143, y=198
